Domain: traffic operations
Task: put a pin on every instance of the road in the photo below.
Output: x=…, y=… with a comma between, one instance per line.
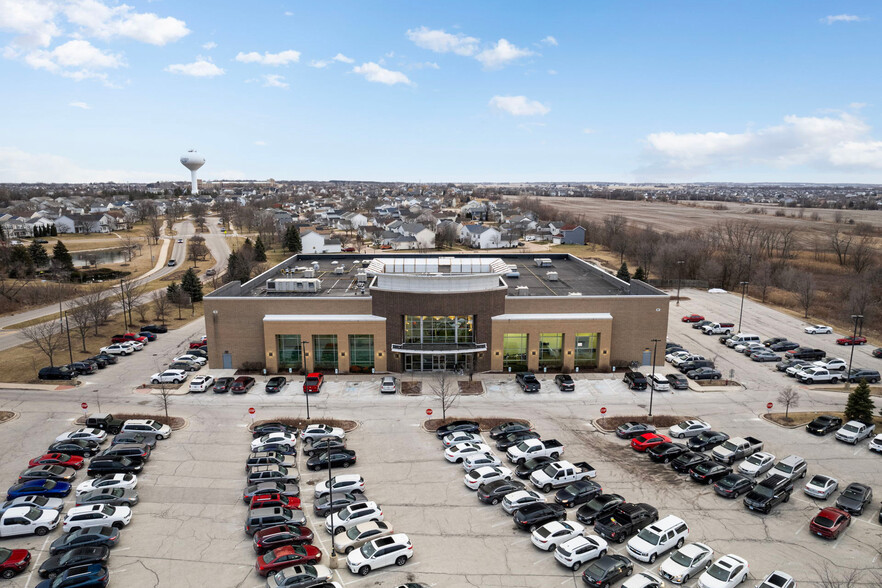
x=214, y=240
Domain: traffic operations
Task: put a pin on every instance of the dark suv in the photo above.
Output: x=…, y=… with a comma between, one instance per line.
x=635, y=381
x=222, y=385
x=564, y=382
x=769, y=493
x=528, y=382
x=57, y=373
x=688, y=366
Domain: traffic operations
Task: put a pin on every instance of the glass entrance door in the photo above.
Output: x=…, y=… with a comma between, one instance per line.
x=439, y=363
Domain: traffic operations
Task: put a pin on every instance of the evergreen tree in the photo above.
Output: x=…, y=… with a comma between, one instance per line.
x=259, y=250
x=623, y=273
x=2, y=233
x=20, y=263
x=61, y=256
x=292, y=239
x=191, y=285
x=860, y=406
x=237, y=267
x=53, y=231
x=640, y=274
x=172, y=290
x=38, y=254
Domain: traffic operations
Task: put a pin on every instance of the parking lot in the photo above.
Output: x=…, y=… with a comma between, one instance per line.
x=187, y=530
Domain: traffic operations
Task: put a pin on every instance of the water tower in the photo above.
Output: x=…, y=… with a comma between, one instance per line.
x=192, y=161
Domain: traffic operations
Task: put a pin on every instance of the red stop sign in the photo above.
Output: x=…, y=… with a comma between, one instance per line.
x=769, y=405
x=251, y=410
x=429, y=411
x=602, y=410
x=84, y=405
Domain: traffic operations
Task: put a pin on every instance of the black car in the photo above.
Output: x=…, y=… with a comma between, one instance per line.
x=48, y=472
x=222, y=385
x=671, y=345
x=787, y=362
x=695, y=365
x=493, y=492
x=807, y=353
x=707, y=440
x=665, y=452
x=282, y=448
x=134, y=438
x=79, y=447
x=767, y=494
x=686, y=461
x=578, y=493
x=824, y=424
x=99, y=362
x=275, y=384
x=112, y=464
x=324, y=444
x=88, y=537
x=536, y=515
x=337, y=458
x=633, y=429
x=524, y=470
x=636, y=381
x=854, y=498
x=564, y=383
x=597, y=507
x=677, y=382
x=704, y=373
x=514, y=438
x=506, y=428
x=57, y=373
x=198, y=352
x=82, y=367
x=700, y=324
x=708, y=472
x=783, y=346
x=155, y=328
x=857, y=374
x=607, y=570
x=734, y=485
x=877, y=352
x=458, y=427
x=773, y=340
x=137, y=452
x=107, y=358
x=528, y=382
x=323, y=506
x=78, y=556
x=273, y=427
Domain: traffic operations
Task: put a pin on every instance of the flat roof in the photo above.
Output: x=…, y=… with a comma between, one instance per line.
x=566, y=275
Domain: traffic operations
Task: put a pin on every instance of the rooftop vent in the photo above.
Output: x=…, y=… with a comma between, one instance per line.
x=551, y=276
x=522, y=291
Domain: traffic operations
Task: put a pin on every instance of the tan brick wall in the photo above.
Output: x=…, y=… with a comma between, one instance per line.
x=306, y=329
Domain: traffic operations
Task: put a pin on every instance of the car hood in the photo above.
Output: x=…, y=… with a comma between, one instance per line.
x=849, y=501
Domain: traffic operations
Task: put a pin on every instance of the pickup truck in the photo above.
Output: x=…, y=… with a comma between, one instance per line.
x=625, y=520
x=807, y=353
x=813, y=375
x=854, y=431
x=105, y=422
x=735, y=449
x=528, y=382
x=560, y=474
x=718, y=329
x=313, y=383
x=530, y=448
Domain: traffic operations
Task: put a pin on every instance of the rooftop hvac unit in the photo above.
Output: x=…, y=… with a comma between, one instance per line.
x=298, y=285
x=365, y=262
x=361, y=278
x=299, y=268
x=574, y=294
x=522, y=291
x=340, y=270
x=315, y=265
x=543, y=261
x=309, y=273
x=551, y=276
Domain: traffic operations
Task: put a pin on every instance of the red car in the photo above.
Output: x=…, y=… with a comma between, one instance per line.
x=647, y=440
x=273, y=537
x=830, y=522
x=242, y=384
x=272, y=499
x=852, y=340
x=692, y=318
x=291, y=555
x=62, y=459
x=128, y=337
x=198, y=345
x=13, y=562
x=313, y=383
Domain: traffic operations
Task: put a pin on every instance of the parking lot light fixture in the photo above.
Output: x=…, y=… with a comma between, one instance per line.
x=679, y=278
x=857, y=318
x=652, y=377
x=741, y=312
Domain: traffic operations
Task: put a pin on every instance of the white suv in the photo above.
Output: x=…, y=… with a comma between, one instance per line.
x=657, y=538
x=97, y=515
x=341, y=484
x=146, y=427
x=169, y=377
x=580, y=550
x=27, y=520
x=355, y=513
x=480, y=460
x=380, y=553
x=201, y=383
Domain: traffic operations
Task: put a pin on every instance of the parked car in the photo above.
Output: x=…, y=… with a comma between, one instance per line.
x=286, y=556
x=526, y=469
x=659, y=383
x=770, y=492
x=854, y=431
x=100, y=515
x=155, y=329
x=821, y=487
x=580, y=550
x=27, y=520
x=700, y=324
x=48, y=472
x=833, y=364
x=854, y=498
x=61, y=459
x=88, y=575
x=858, y=374
x=528, y=382
x=665, y=452
x=313, y=383
x=708, y=472
x=764, y=356
x=707, y=440
x=643, y=442
x=598, y=506
x=830, y=522
x=13, y=562
x=201, y=383
x=352, y=515
x=48, y=488
x=734, y=485
x=518, y=499
x=324, y=444
x=727, y=572
x=316, y=431
x=633, y=429
x=86, y=537
x=550, y=535
x=512, y=439
x=458, y=453
x=282, y=488
x=704, y=373
x=57, y=373
x=324, y=506
x=184, y=366
x=38, y=502
x=147, y=427
x=677, y=381
x=82, y=367
x=824, y=424
x=778, y=579
x=272, y=537
x=783, y=346
x=818, y=330
x=379, y=553
x=300, y=577
x=565, y=382
x=494, y=492
x=853, y=340
x=877, y=352
x=168, y=377
x=111, y=464
x=692, y=318
x=578, y=493
x=484, y=475
x=79, y=556
x=466, y=426
x=107, y=482
x=460, y=437
x=635, y=381
x=686, y=461
x=534, y=515
x=334, y=458
x=389, y=385
x=222, y=385
x=506, y=428
x=791, y=467
x=607, y=570
x=757, y=464
x=352, y=539
x=85, y=433
x=686, y=563
x=689, y=428
x=242, y=384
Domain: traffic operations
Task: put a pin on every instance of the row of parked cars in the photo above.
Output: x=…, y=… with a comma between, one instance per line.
x=103, y=504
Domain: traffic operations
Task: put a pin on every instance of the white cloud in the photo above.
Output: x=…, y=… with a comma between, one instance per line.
x=320, y=63
x=440, y=41
x=274, y=81
x=424, y=65
x=519, y=106
x=832, y=142
x=343, y=59
x=501, y=54
x=260, y=143
x=201, y=68
x=552, y=72
x=273, y=59
x=588, y=131
x=77, y=59
x=373, y=72
x=97, y=19
x=549, y=40
x=21, y=166
x=209, y=46
x=82, y=105
x=34, y=21
x=834, y=18
x=857, y=105
x=289, y=13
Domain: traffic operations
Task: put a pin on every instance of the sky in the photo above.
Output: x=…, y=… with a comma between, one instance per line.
x=431, y=91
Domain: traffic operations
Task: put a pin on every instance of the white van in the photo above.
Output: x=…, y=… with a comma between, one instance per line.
x=657, y=538
x=743, y=339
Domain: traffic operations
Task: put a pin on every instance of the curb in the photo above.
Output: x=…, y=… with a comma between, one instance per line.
x=768, y=420
x=598, y=428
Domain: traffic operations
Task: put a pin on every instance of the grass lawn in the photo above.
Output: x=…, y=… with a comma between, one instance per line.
x=804, y=418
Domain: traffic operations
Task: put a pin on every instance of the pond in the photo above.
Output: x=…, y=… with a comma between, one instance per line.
x=98, y=257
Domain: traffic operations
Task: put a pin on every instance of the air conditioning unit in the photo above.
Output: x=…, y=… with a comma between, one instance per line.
x=551, y=276
x=522, y=291
x=296, y=285
x=339, y=270
x=309, y=273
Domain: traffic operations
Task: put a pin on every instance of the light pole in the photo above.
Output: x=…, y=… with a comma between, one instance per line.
x=331, y=505
x=652, y=377
x=741, y=312
x=857, y=318
x=303, y=345
x=679, y=279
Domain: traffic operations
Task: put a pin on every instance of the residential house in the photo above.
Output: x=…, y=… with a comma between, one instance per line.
x=572, y=235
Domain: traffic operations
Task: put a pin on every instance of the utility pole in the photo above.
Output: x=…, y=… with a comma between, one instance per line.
x=741, y=312
x=652, y=378
x=679, y=279
x=70, y=348
x=857, y=318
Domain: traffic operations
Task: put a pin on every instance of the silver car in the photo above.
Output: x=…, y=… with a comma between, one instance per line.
x=38, y=502
x=111, y=496
x=389, y=385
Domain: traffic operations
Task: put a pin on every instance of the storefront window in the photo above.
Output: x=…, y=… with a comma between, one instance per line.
x=288, y=351
x=514, y=351
x=325, y=350
x=439, y=330
x=361, y=353
x=586, y=350
x=550, y=346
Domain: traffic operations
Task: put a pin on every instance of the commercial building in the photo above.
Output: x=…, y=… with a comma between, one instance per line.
x=351, y=313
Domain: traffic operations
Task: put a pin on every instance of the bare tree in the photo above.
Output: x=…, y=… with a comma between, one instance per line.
x=862, y=255
x=445, y=388
x=180, y=299
x=80, y=316
x=47, y=336
x=160, y=303
x=804, y=286
x=827, y=578
x=99, y=306
x=790, y=399
x=154, y=228
x=164, y=397
x=840, y=242
x=130, y=244
x=142, y=310
x=763, y=278
x=196, y=248
x=129, y=294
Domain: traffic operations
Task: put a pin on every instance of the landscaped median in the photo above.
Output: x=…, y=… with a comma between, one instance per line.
x=484, y=423
x=800, y=419
x=659, y=421
x=299, y=423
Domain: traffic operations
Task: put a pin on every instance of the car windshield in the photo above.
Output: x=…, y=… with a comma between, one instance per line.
x=784, y=468
x=850, y=492
x=368, y=550
x=850, y=428
x=595, y=504
x=823, y=522
x=728, y=482
x=650, y=537
x=764, y=491
x=543, y=532
x=680, y=558
x=33, y=514
x=353, y=533
x=819, y=481
x=755, y=459
x=719, y=573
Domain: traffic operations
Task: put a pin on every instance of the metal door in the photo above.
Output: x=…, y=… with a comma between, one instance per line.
x=647, y=357
x=228, y=361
